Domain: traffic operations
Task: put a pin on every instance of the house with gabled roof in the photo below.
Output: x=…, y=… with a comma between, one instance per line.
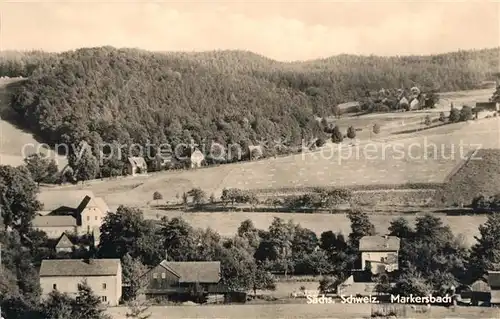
x=136, y=165
x=104, y=276
x=379, y=253
x=196, y=159
x=174, y=280
x=70, y=211
x=64, y=244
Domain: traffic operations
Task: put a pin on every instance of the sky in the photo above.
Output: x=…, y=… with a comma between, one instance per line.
x=282, y=30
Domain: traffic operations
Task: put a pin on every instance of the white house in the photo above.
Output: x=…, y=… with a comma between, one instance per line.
x=379, y=253
x=104, y=277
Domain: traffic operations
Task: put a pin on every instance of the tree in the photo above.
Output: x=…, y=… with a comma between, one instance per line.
x=18, y=191
x=178, y=239
x=442, y=117
x=126, y=231
x=84, y=164
x=427, y=120
x=58, y=306
x=199, y=196
x=157, y=196
x=376, y=128
x=454, y=115
x=42, y=169
x=87, y=305
x=400, y=228
x=132, y=272
x=337, y=136
x=485, y=254
x=351, y=132
x=466, y=113
x=138, y=310
x=360, y=227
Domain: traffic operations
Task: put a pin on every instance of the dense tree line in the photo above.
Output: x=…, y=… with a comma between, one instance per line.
x=131, y=96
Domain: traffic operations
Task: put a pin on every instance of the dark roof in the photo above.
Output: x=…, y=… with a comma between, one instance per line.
x=79, y=268
x=379, y=243
x=194, y=271
x=492, y=106
x=55, y=199
x=494, y=279
x=53, y=221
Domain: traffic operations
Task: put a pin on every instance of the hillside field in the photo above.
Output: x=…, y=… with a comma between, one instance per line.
x=375, y=163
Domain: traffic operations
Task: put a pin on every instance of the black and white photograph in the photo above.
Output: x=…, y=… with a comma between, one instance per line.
x=251, y=159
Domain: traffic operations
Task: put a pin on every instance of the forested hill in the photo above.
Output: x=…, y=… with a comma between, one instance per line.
x=229, y=96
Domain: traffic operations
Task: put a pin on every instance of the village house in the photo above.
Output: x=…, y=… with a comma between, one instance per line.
x=379, y=253
x=479, y=293
x=484, y=109
x=494, y=283
x=196, y=159
x=176, y=280
x=76, y=212
x=136, y=165
x=104, y=277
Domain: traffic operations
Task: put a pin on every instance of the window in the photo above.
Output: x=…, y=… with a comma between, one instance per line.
x=104, y=299
x=155, y=275
x=103, y=286
x=163, y=275
x=382, y=259
x=88, y=218
x=95, y=218
x=54, y=286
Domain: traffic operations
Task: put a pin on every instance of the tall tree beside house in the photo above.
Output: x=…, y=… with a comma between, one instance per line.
x=42, y=169
x=360, y=227
x=485, y=254
x=466, y=113
x=132, y=274
x=57, y=306
x=157, y=196
x=18, y=191
x=126, y=231
x=496, y=95
x=178, y=239
x=87, y=305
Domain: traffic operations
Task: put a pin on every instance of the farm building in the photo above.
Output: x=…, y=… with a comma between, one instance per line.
x=70, y=211
x=196, y=159
x=494, y=283
x=178, y=280
x=137, y=165
x=379, y=253
x=104, y=276
x=484, y=109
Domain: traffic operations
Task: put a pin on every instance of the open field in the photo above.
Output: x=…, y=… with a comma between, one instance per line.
x=227, y=223
x=295, y=311
x=409, y=158
x=14, y=141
